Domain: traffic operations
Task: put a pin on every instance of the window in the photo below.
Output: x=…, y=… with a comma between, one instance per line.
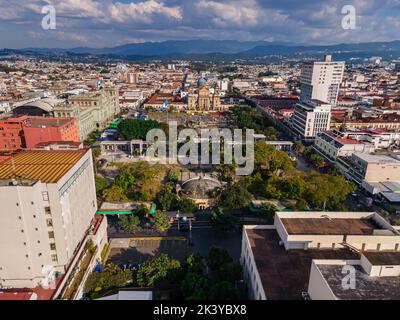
x=51, y=235
x=45, y=196
x=47, y=210
x=52, y=246
x=49, y=222
x=54, y=258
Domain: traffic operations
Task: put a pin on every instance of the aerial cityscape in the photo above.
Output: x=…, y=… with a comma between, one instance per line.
x=189, y=150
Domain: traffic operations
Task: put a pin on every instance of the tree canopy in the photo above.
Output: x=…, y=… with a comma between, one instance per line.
x=131, y=129
x=154, y=270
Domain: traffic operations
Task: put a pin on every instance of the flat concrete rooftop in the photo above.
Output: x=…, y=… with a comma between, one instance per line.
x=325, y=226
x=367, y=288
x=285, y=273
x=385, y=258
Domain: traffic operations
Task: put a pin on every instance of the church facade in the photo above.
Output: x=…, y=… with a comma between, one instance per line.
x=204, y=99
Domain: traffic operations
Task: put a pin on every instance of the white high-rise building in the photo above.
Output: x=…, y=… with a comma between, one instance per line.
x=48, y=206
x=320, y=80
x=311, y=118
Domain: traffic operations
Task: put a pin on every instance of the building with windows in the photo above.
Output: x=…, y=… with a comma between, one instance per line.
x=320, y=80
x=205, y=99
x=309, y=119
x=93, y=110
x=48, y=204
x=278, y=260
x=26, y=132
x=332, y=144
x=361, y=167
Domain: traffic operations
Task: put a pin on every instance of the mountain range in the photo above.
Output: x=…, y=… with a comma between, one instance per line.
x=228, y=49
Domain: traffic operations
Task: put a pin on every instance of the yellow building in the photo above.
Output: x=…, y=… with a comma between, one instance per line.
x=204, y=99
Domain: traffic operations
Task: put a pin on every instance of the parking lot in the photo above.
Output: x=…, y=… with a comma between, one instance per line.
x=142, y=249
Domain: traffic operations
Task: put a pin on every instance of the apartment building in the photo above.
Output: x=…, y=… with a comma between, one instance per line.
x=360, y=167
x=379, y=138
x=332, y=144
x=309, y=119
x=320, y=80
x=26, y=132
x=48, y=202
x=277, y=259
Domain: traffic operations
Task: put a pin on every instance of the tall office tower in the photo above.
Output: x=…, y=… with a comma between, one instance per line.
x=310, y=119
x=320, y=80
x=48, y=206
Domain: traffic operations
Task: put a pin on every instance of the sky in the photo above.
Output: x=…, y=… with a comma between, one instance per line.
x=109, y=23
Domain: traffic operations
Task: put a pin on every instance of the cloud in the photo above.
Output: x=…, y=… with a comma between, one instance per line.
x=142, y=11
x=242, y=13
x=115, y=21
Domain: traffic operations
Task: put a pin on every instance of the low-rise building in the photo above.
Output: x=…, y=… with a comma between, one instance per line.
x=375, y=276
x=332, y=144
x=26, y=132
x=360, y=167
x=278, y=259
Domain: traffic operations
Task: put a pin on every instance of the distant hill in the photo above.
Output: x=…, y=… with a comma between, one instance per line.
x=226, y=50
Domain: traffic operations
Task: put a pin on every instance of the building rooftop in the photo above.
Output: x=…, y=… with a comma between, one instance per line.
x=45, y=166
x=377, y=158
x=325, y=226
x=17, y=295
x=367, y=288
x=285, y=273
x=40, y=122
x=383, y=258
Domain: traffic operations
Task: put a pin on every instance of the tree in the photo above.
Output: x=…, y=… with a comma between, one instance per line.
x=195, y=286
x=114, y=277
x=268, y=211
x=131, y=129
x=235, y=196
x=187, y=206
x=173, y=176
x=293, y=188
x=223, y=222
x=226, y=172
x=274, y=162
x=101, y=185
x=217, y=257
x=111, y=277
x=326, y=190
x=155, y=270
x=161, y=221
x=166, y=198
x=115, y=194
x=298, y=146
x=195, y=263
x=92, y=282
x=96, y=152
x=317, y=160
x=124, y=180
x=302, y=205
x=130, y=223
x=223, y=291
x=230, y=271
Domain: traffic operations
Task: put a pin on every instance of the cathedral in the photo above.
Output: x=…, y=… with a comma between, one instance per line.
x=204, y=99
